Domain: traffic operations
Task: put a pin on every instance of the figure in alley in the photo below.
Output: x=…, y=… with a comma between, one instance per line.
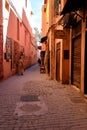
x=20, y=66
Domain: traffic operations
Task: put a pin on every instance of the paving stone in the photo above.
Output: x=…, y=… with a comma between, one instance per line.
x=66, y=107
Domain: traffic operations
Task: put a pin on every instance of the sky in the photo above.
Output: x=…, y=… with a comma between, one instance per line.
x=36, y=7
x=37, y=10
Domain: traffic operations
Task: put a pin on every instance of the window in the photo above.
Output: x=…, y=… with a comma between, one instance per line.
x=17, y=29
x=57, y=7
x=25, y=37
x=7, y=5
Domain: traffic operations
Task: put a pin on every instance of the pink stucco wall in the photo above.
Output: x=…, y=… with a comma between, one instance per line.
x=1, y=42
x=22, y=37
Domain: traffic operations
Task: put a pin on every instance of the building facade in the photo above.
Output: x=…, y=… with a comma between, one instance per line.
x=57, y=42
x=66, y=31
x=76, y=12
x=1, y=43
x=16, y=37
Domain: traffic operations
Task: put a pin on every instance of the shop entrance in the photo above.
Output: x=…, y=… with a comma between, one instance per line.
x=85, y=71
x=76, y=61
x=58, y=62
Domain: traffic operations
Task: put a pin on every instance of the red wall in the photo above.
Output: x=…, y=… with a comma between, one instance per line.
x=22, y=39
x=1, y=43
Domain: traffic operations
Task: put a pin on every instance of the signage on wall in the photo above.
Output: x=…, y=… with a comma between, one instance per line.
x=60, y=34
x=66, y=54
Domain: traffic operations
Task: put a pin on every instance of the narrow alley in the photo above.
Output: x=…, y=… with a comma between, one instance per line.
x=34, y=102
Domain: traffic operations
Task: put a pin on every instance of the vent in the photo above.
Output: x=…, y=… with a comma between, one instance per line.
x=29, y=98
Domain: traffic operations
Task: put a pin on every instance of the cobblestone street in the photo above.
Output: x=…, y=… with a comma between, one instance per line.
x=34, y=102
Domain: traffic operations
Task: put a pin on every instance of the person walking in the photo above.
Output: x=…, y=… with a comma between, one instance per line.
x=20, y=68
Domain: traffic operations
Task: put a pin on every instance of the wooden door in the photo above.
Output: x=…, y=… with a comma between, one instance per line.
x=58, y=62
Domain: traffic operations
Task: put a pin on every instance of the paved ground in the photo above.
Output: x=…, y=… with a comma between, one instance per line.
x=34, y=102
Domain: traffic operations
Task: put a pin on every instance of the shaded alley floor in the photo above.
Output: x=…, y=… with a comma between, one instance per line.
x=34, y=102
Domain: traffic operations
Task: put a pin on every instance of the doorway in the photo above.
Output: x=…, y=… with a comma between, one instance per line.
x=58, y=61
x=76, y=61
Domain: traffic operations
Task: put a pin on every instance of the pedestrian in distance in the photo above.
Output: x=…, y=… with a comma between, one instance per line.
x=39, y=61
x=20, y=66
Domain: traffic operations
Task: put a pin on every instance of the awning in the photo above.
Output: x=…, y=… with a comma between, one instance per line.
x=61, y=21
x=72, y=5
x=43, y=39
